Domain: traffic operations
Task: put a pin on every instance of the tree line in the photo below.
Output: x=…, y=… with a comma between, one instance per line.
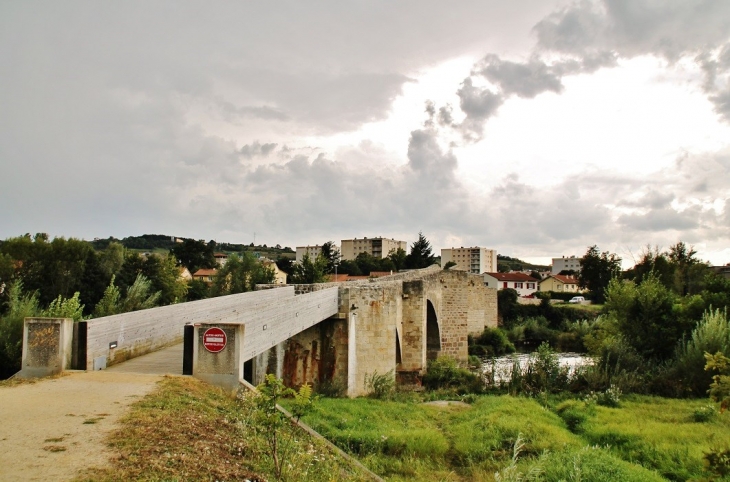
x=70, y=278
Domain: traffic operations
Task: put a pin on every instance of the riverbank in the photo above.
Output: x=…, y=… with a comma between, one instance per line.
x=641, y=439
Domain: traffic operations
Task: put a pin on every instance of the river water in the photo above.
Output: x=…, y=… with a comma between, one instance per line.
x=501, y=366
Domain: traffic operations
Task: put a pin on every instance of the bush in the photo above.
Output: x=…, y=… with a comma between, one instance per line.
x=492, y=342
x=444, y=372
x=705, y=413
x=711, y=335
x=543, y=373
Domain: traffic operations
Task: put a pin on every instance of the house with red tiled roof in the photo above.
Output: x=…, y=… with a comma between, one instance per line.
x=523, y=284
x=560, y=283
x=205, y=274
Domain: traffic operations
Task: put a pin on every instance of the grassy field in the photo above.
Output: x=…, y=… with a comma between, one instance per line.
x=644, y=439
x=189, y=430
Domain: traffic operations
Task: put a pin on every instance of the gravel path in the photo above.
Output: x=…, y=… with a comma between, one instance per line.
x=52, y=429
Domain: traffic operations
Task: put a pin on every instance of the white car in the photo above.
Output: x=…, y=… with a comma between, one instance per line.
x=577, y=299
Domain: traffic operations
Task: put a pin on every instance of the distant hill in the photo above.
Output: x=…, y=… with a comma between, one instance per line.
x=505, y=263
x=163, y=242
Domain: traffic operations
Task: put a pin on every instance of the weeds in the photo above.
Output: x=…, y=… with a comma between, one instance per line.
x=380, y=386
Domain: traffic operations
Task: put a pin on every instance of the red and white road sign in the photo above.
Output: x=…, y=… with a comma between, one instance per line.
x=214, y=340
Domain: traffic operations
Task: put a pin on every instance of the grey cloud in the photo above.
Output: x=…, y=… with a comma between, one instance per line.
x=256, y=149
x=479, y=105
x=662, y=219
x=522, y=79
x=428, y=161
x=526, y=80
x=627, y=28
x=653, y=199
x=231, y=112
x=445, y=116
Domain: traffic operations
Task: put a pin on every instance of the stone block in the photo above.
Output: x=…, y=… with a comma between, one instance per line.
x=47, y=346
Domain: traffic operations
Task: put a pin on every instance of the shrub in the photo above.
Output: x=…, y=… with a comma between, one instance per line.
x=711, y=335
x=609, y=398
x=705, y=413
x=444, y=372
x=543, y=373
x=380, y=386
x=492, y=342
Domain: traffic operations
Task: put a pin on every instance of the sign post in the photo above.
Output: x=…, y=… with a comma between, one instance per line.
x=214, y=340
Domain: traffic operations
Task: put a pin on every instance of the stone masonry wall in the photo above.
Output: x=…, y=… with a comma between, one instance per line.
x=375, y=309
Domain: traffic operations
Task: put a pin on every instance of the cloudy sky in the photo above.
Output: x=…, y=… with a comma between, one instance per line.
x=536, y=128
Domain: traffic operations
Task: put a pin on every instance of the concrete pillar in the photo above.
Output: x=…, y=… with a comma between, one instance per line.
x=222, y=368
x=47, y=346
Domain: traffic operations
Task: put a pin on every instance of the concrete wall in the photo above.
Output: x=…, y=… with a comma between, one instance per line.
x=47, y=346
x=273, y=316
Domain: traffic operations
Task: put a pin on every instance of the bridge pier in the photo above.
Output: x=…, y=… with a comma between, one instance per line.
x=225, y=366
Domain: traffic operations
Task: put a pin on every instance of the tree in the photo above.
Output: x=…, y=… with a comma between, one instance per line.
x=645, y=316
x=689, y=271
x=367, y=263
x=240, y=274
x=112, y=258
x=310, y=271
x=331, y=253
x=139, y=296
x=110, y=302
x=597, y=270
x=398, y=257
x=420, y=255
x=449, y=265
x=285, y=264
x=19, y=306
x=195, y=254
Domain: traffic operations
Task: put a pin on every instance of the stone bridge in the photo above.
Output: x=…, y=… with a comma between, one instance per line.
x=331, y=335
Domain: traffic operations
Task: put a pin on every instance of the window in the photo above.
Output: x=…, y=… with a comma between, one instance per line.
x=518, y=285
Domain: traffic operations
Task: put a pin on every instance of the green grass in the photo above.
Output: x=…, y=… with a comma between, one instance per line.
x=189, y=430
x=644, y=439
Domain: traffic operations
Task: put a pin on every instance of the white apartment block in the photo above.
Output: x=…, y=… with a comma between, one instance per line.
x=312, y=251
x=376, y=247
x=564, y=264
x=474, y=260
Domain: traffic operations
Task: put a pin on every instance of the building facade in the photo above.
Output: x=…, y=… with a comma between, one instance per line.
x=376, y=247
x=312, y=251
x=560, y=283
x=474, y=260
x=564, y=264
x=523, y=284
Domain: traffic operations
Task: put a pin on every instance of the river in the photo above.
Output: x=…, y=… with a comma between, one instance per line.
x=502, y=366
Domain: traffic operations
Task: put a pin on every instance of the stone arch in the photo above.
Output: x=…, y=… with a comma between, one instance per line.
x=433, y=332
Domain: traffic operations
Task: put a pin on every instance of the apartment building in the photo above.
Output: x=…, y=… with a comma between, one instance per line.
x=474, y=260
x=312, y=251
x=376, y=247
x=564, y=264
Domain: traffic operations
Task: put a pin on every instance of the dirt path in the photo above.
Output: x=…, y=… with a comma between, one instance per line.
x=51, y=429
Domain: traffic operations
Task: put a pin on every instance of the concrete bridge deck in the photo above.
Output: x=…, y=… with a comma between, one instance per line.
x=167, y=361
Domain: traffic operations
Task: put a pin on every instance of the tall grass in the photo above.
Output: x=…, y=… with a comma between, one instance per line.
x=711, y=335
x=645, y=439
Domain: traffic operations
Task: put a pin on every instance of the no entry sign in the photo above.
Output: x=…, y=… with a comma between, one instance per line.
x=214, y=340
